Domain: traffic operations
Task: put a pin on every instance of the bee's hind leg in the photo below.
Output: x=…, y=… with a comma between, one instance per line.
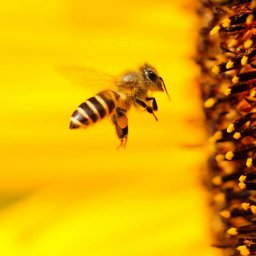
x=120, y=121
x=123, y=142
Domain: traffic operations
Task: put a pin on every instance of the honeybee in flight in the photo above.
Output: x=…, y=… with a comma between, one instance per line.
x=131, y=89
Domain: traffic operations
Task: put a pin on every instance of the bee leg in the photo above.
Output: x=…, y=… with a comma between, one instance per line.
x=154, y=104
x=148, y=108
x=122, y=135
x=120, y=121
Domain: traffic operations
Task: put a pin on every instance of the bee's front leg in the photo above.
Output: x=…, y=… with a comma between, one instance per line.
x=154, y=104
x=145, y=106
x=120, y=121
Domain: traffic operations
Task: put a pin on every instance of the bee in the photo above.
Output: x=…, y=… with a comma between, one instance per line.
x=131, y=89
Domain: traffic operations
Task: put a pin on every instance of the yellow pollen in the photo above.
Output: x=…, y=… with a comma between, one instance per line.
x=215, y=30
x=253, y=209
x=253, y=93
x=209, y=103
x=242, y=185
x=225, y=214
x=232, y=231
x=216, y=69
x=244, y=60
x=249, y=19
x=230, y=64
x=230, y=128
x=249, y=162
x=245, y=206
x=243, y=250
x=242, y=178
x=248, y=43
x=229, y=155
x=227, y=91
x=253, y=4
x=237, y=135
x=235, y=79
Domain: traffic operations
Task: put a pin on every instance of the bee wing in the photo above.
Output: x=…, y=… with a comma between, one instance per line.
x=94, y=80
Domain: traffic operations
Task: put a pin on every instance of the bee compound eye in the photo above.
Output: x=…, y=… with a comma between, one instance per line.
x=151, y=75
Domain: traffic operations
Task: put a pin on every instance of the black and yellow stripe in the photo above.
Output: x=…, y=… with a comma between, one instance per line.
x=94, y=109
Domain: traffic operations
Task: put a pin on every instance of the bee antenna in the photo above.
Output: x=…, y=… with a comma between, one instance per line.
x=165, y=88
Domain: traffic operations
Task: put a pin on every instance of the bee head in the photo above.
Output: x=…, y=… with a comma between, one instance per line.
x=155, y=82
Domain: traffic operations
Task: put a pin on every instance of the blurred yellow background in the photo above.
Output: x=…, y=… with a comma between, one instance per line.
x=70, y=192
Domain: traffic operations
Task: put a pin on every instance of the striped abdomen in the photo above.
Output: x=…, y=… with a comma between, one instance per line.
x=94, y=109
